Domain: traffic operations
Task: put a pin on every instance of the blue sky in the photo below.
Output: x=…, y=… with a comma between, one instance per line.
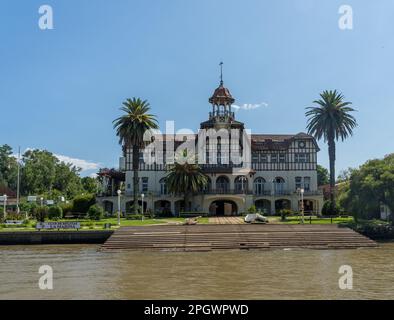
x=60, y=89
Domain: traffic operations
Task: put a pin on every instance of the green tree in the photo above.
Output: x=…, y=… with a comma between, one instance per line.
x=368, y=187
x=331, y=120
x=322, y=175
x=8, y=168
x=89, y=184
x=185, y=179
x=130, y=128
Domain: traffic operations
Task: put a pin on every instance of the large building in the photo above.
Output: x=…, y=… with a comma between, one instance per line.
x=278, y=168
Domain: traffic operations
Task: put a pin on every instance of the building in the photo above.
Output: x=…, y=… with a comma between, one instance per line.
x=278, y=167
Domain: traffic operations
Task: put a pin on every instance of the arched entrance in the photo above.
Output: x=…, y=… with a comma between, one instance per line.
x=163, y=208
x=130, y=207
x=108, y=206
x=282, y=204
x=223, y=208
x=309, y=207
x=263, y=205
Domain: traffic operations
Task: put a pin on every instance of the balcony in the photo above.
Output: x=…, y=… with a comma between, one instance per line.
x=227, y=191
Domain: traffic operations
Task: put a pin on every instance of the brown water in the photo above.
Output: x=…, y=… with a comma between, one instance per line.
x=82, y=272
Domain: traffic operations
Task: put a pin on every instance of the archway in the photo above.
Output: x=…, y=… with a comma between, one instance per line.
x=222, y=185
x=309, y=207
x=163, y=208
x=130, y=209
x=223, y=208
x=108, y=206
x=282, y=204
x=263, y=205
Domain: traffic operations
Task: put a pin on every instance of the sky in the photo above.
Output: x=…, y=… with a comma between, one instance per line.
x=61, y=89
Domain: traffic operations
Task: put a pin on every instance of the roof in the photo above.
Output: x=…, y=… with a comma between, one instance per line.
x=221, y=96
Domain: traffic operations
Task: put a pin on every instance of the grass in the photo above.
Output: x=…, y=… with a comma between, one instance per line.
x=99, y=225
x=314, y=220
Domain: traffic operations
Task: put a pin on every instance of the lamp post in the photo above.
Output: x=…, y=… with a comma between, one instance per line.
x=302, y=204
x=142, y=200
x=5, y=206
x=42, y=201
x=119, y=193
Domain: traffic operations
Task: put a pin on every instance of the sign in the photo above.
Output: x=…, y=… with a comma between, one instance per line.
x=2, y=198
x=13, y=222
x=50, y=202
x=58, y=225
x=32, y=199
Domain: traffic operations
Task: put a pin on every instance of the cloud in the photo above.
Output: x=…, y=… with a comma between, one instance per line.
x=250, y=106
x=85, y=165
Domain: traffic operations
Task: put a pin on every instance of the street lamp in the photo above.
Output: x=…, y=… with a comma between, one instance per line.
x=42, y=201
x=5, y=206
x=142, y=199
x=119, y=193
x=302, y=203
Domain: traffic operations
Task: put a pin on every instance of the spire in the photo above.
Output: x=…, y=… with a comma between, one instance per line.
x=221, y=72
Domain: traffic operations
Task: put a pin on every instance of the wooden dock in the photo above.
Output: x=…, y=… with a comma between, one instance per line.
x=235, y=236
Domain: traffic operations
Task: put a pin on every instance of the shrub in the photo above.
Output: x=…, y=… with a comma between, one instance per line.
x=134, y=217
x=284, y=213
x=326, y=210
x=55, y=212
x=252, y=209
x=82, y=203
x=67, y=208
x=95, y=212
x=41, y=213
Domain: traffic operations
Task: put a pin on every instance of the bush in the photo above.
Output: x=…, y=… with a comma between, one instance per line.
x=326, y=210
x=82, y=204
x=41, y=213
x=55, y=212
x=252, y=209
x=284, y=213
x=67, y=208
x=95, y=212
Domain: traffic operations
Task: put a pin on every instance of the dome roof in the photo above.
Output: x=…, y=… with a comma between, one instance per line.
x=221, y=96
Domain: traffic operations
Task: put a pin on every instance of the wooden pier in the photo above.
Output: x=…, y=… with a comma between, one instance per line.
x=235, y=236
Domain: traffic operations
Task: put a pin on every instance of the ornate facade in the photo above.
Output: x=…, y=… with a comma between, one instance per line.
x=278, y=167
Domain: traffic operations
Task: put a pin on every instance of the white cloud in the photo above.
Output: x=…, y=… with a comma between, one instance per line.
x=85, y=165
x=250, y=106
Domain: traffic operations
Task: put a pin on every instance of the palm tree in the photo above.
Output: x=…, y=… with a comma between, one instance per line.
x=331, y=120
x=185, y=179
x=130, y=128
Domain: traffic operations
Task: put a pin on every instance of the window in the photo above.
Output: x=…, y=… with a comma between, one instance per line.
x=307, y=183
x=264, y=158
x=279, y=186
x=241, y=184
x=255, y=157
x=144, y=184
x=301, y=157
x=259, y=186
x=274, y=157
x=298, y=183
x=163, y=186
x=282, y=157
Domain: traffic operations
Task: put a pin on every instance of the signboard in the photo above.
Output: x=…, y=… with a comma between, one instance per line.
x=32, y=199
x=50, y=202
x=2, y=198
x=58, y=225
x=13, y=222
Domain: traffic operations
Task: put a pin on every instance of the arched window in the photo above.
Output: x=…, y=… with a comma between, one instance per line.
x=222, y=184
x=298, y=183
x=279, y=185
x=241, y=184
x=208, y=187
x=307, y=183
x=163, y=186
x=259, y=184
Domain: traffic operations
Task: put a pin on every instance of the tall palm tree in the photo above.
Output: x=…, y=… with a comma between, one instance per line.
x=331, y=120
x=185, y=179
x=130, y=128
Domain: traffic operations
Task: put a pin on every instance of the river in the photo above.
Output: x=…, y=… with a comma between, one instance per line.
x=83, y=272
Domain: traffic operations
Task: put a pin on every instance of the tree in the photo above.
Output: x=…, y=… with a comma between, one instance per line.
x=322, y=175
x=331, y=120
x=130, y=128
x=89, y=184
x=185, y=179
x=368, y=187
x=8, y=168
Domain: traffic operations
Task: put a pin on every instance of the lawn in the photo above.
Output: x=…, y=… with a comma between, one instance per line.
x=99, y=225
x=310, y=220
